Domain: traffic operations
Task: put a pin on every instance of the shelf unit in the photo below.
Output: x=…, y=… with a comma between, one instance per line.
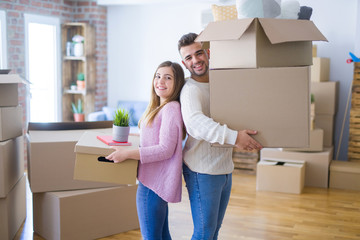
x=72, y=65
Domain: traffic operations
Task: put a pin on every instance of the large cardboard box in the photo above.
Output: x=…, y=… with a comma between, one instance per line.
x=260, y=42
x=51, y=156
x=345, y=175
x=13, y=210
x=274, y=101
x=11, y=164
x=326, y=97
x=10, y=122
x=326, y=122
x=316, y=142
x=320, y=69
x=89, y=150
x=317, y=163
x=9, y=89
x=85, y=214
x=280, y=176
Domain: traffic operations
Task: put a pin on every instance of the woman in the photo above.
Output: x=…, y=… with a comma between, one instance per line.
x=160, y=152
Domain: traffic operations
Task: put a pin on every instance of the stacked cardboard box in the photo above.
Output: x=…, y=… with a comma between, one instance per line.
x=346, y=174
x=68, y=208
x=259, y=77
x=12, y=179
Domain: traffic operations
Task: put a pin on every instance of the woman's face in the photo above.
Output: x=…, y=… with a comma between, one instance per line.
x=164, y=83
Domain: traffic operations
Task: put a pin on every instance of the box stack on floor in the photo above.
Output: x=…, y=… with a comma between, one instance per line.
x=346, y=174
x=69, y=208
x=318, y=155
x=259, y=79
x=12, y=178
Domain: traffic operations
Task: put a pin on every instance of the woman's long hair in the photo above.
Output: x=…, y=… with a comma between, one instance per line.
x=154, y=105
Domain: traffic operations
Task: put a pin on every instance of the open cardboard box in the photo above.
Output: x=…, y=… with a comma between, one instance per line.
x=89, y=152
x=260, y=42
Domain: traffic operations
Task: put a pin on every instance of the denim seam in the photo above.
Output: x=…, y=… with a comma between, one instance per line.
x=200, y=204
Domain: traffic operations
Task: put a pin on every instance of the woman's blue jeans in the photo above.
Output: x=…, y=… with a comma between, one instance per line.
x=209, y=196
x=153, y=214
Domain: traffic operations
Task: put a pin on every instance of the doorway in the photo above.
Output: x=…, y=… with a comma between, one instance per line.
x=42, y=48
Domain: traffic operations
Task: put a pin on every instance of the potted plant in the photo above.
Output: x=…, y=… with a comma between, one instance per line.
x=80, y=81
x=121, y=128
x=78, y=111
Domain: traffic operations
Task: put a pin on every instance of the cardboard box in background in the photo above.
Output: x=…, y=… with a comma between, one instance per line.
x=9, y=89
x=259, y=40
x=314, y=51
x=345, y=175
x=10, y=122
x=326, y=97
x=13, y=210
x=326, y=122
x=273, y=101
x=88, y=167
x=320, y=70
x=316, y=142
x=85, y=214
x=11, y=164
x=51, y=156
x=317, y=163
x=280, y=176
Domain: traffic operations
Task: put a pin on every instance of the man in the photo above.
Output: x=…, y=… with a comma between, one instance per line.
x=207, y=170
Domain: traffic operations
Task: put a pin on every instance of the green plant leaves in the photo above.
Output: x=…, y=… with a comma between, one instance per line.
x=121, y=118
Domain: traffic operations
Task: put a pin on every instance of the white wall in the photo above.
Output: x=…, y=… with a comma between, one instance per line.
x=139, y=39
x=142, y=36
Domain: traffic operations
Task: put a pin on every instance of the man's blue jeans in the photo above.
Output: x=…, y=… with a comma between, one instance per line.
x=153, y=214
x=209, y=196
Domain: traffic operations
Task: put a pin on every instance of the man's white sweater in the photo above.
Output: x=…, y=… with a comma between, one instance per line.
x=202, y=130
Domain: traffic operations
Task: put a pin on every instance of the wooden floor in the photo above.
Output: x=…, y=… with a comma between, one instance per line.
x=316, y=214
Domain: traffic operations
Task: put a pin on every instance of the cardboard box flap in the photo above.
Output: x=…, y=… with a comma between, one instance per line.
x=89, y=144
x=277, y=30
x=11, y=78
x=290, y=30
x=224, y=30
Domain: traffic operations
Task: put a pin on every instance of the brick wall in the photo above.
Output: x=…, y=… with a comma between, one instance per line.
x=66, y=11
x=77, y=11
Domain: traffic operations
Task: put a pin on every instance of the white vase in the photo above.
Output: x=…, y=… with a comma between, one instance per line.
x=120, y=134
x=78, y=49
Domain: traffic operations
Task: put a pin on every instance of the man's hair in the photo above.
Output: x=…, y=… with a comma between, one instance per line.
x=187, y=40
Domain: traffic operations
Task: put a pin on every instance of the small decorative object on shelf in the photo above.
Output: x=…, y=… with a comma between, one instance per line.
x=78, y=45
x=121, y=128
x=80, y=81
x=73, y=86
x=78, y=111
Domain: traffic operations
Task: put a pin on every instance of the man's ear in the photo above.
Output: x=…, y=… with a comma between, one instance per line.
x=208, y=52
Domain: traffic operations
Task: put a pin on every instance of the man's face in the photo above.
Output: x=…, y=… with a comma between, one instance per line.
x=195, y=59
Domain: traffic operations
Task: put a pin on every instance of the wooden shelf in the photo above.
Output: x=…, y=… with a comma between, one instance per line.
x=73, y=65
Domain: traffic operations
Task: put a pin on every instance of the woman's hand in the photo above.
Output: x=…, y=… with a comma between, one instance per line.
x=118, y=156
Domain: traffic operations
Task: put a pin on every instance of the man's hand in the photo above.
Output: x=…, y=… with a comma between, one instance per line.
x=246, y=142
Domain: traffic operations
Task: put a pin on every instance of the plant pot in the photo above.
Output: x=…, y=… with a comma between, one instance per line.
x=80, y=85
x=79, y=117
x=78, y=49
x=120, y=134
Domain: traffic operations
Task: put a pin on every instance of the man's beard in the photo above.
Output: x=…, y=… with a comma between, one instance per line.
x=194, y=73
